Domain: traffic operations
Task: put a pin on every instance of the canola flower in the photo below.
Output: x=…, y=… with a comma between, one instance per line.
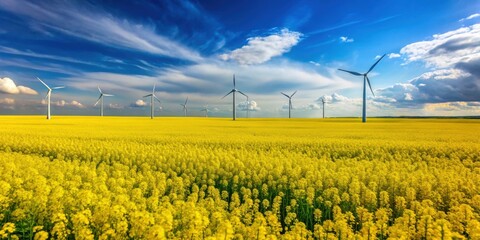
x=195, y=178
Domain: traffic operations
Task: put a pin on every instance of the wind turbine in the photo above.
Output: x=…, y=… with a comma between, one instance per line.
x=152, y=97
x=100, y=99
x=323, y=103
x=205, y=109
x=49, y=94
x=289, y=102
x=185, y=106
x=234, y=90
x=365, y=81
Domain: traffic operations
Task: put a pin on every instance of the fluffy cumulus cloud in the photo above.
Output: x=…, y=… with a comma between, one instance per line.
x=334, y=98
x=64, y=103
x=444, y=85
x=138, y=103
x=250, y=106
x=7, y=101
x=454, y=62
x=7, y=85
x=447, y=49
x=115, y=106
x=261, y=49
x=76, y=104
x=346, y=39
x=311, y=106
x=453, y=108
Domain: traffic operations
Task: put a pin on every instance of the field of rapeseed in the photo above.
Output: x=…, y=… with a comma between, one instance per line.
x=207, y=178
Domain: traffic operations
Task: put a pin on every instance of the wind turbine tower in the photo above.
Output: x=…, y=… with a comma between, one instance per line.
x=185, y=107
x=153, y=97
x=323, y=103
x=100, y=99
x=205, y=109
x=289, y=102
x=234, y=90
x=365, y=81
x=49, y=94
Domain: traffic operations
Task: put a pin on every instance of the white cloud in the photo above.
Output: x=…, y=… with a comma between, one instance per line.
x=393, y=55
x=314, y=63
x=475, y=15
x=115, y=106
x=138, y=103
x=443, y=85
x=447, y=49
x=44, y=56
x=244, y=106
x=7, y=85
x=76, y=104
x=96, y=26
x=334, y=98
x=408, y=97
x=454, y=76
x=452, y=108
x=64, y=103
x=346, y=39
x=261, y=49
x=311, y=106
x=7, y=101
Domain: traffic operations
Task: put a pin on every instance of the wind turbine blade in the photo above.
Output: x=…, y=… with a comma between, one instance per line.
x=227, y=94
x=100, y=90
x=98, y=100
x=186, y=101
x=368, y=81
x=60, y=87
x=156, y=98
x=108, y=95
x=242, y=93
x=153, y=90
x=293, y=94
x=149, y=95
x=43, y=83
x=46, y=96
x=354, y=73
x=371, y=68
x=233, y=80
x=285, y=95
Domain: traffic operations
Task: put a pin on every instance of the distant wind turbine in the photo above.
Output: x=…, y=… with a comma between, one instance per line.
x=289, y=102
x=152, y=105
x=100, y=99
x=49, y=94
x=205, y=109
x=323, y=103
x=234, y=90
x=185, y=106
x=365, y=81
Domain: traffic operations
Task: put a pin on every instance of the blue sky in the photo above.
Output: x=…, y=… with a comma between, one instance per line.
x=192, y=49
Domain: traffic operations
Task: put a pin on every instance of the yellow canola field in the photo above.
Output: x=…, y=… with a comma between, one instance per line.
x=211, y=178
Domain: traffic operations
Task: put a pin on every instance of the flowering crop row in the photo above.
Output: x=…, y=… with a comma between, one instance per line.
x=175, y=178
